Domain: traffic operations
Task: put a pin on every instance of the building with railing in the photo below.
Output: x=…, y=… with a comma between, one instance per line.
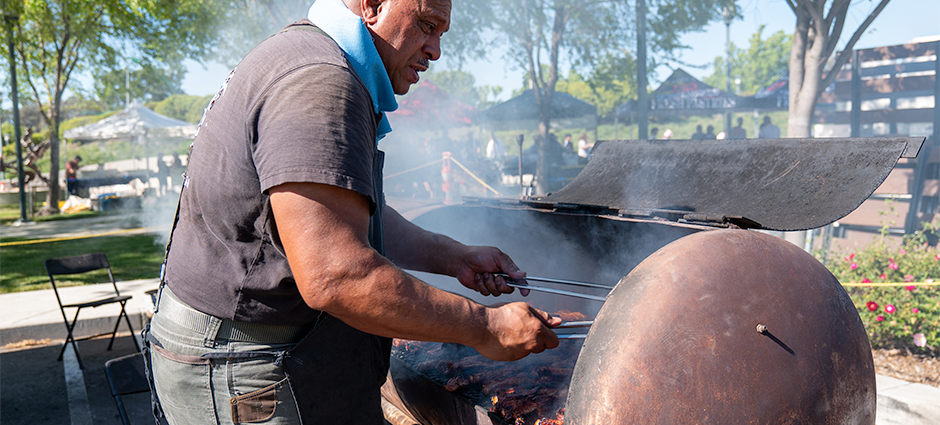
x=895, y=89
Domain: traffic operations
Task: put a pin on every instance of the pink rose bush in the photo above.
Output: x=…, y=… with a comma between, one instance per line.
x=894, y=292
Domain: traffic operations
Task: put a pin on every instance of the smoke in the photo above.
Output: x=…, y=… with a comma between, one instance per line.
x=157, y=216
x=158, y=208
x=553, y=245
x=413, y=166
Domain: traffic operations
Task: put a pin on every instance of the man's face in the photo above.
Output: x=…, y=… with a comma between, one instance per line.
x=407, y=36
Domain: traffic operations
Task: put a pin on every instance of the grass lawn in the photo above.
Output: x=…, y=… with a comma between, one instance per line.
x=132, y=257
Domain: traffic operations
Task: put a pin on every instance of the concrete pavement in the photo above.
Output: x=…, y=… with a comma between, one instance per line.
x=35, y=315
x=901, y=402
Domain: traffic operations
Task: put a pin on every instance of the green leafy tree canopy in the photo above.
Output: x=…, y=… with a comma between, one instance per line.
x=762, y=63
x=56, y=38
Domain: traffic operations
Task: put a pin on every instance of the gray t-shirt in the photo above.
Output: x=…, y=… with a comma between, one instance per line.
x=292, y=111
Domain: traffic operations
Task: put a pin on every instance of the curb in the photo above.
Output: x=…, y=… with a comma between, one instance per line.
x=35, y=315
x=84, y=328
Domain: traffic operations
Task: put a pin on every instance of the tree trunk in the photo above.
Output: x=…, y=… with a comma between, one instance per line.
x=805, y=74
x=814, y=41
x=52, y=198
x=543, y=172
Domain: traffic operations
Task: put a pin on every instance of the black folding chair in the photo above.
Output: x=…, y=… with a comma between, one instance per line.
x=83, y=264
x=126, y=376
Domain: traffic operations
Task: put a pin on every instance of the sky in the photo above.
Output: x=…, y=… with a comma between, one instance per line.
x=900, y=22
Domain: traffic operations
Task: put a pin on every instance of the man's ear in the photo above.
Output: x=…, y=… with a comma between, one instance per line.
x=370, y=10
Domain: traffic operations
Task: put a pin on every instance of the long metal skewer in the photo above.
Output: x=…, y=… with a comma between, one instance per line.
x=560, y=281
x=572, y=336
x=557, y=291
x=581, y=324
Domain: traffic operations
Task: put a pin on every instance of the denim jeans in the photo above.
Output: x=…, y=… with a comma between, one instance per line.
x=202, y=379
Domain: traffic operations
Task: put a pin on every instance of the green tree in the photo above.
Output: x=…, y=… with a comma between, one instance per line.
x=183, y=107
x=611, y=83
x=151, y=82
x=762, y=63
x=55, y=38
x=537, y=32
x=531, y=30
x=819, y=26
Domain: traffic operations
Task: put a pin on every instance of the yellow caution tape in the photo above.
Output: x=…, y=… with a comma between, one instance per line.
x=475, y=177
x=413, y=169
x=455, y=162
x=69, y=238
x=891, y=284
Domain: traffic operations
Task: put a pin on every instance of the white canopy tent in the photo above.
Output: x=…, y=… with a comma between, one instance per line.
x=136, y=123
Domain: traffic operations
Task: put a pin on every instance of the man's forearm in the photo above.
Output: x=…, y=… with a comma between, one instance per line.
x=324, y=231
x=411, y=247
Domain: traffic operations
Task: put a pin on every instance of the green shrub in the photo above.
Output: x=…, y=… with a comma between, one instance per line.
x=894, y=290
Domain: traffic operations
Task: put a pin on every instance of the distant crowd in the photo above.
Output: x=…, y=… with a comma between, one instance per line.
x=767, y=131
x=410, y=176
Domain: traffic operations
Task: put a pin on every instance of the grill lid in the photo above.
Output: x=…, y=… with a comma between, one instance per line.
x=775, y=184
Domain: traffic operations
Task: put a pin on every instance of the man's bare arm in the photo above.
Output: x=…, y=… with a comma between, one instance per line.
x=324, y=230
x=414, y=248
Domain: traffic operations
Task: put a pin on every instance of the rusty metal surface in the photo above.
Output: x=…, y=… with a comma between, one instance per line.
x=678, y=340
x=782, y=184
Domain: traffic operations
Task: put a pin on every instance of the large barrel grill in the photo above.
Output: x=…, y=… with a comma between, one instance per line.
x=694, y=314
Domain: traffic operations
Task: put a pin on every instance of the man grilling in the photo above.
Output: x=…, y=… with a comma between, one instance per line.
x=281, y=289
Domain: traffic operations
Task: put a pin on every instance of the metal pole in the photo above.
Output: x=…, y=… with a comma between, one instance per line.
x=855, y=116
x=642, y=99
x=727, y=17
x=519, y=139
x=16, y=121
x=616, y=127
x=936, y=94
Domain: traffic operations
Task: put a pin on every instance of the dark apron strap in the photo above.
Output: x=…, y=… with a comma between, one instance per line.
x=376, y=230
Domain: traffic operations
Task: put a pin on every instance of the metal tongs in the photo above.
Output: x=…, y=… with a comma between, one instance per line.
x=514, y=284
x=574, y=325
x=563, y=325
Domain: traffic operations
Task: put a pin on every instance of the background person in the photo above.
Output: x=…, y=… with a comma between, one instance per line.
x=738, y=132
x=583, y=146
x=710, y=133
x=768, y=130
x=71, y=174
x=494, y=148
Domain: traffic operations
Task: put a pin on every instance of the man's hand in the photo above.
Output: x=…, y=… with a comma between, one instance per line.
x=477, y=268
x=515, y=330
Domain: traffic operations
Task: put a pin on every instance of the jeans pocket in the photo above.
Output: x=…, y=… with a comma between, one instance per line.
x=183, y=385
x=260, y=405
